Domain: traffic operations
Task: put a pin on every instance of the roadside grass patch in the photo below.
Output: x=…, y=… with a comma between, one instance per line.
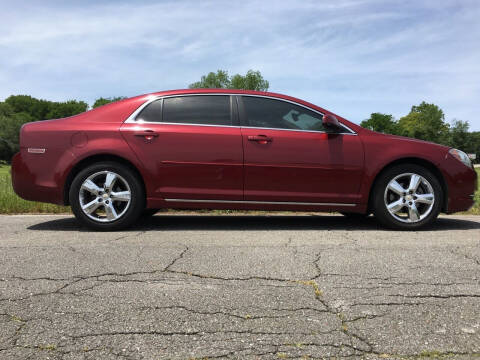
x=475, y=210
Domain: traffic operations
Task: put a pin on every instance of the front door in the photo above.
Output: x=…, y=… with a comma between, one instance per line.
x=191, y=146
x=289, y=157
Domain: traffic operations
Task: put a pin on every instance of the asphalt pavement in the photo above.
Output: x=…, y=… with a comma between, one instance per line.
x=240, y=287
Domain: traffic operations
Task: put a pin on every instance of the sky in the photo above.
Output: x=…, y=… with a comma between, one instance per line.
x=353, y=57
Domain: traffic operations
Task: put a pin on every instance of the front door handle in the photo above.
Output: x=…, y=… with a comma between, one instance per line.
x=148, y=135
x=261, y=139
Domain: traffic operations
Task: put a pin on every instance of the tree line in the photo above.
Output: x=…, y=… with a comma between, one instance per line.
x=17, y=110
x=425, y=121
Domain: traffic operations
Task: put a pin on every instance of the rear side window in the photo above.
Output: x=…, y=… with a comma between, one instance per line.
x=277, y=114
x=201, y=109
x=197, y=109
x=152, y=112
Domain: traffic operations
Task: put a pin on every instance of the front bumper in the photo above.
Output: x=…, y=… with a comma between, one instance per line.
x=462, y=183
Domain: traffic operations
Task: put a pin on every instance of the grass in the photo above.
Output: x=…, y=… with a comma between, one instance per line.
x=475, y=210
x=10, y=203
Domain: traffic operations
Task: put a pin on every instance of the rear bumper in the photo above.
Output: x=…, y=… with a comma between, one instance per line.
x=28, y=183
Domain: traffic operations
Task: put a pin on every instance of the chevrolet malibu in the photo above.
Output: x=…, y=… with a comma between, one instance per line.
x=224, y=149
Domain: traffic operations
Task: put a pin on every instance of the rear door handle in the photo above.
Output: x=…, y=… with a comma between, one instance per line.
x=261, y=139
x=148, y=135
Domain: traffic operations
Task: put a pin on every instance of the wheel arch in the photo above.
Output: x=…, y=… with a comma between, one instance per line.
x=94, y=159
x=417, y=161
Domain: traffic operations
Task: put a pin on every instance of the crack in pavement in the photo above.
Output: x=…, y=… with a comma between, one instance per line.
x=245, y=317
x=466, y=256
x=435, y=296
x=140, y=233
x=77, y=278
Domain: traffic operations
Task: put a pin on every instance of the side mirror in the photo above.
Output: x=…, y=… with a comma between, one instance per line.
x=330, y=123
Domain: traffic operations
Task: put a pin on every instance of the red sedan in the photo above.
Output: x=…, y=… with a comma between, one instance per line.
x=229, y=149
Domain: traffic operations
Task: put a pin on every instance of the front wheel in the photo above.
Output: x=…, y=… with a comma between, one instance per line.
x=407, y=197
x=107, y=196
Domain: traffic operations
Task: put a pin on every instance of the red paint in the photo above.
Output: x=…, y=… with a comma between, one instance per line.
x=227, y=163
x=187, y=162
x=302, y=166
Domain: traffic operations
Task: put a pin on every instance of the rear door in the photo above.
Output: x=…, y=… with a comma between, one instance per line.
x=290, y=158
x=191, y=145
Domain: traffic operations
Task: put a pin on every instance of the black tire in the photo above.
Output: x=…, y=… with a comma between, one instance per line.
x=149, y=213
x=132, y=212
x=380, y=208
x=354, y=216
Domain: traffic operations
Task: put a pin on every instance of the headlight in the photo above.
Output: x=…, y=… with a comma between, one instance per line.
x=460, y=155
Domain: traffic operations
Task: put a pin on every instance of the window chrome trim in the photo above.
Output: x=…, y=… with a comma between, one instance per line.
x=259, y=202
x=183, y=124
x=309, y=131
x=131, y=118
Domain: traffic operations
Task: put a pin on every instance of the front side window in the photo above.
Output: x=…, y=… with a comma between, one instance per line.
x=277, y=114
x=199, y=109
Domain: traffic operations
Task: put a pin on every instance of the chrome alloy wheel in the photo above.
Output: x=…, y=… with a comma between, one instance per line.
x=104, y=196
x=409, y=197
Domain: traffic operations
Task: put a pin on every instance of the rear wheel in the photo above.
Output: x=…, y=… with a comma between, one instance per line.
x=407, y=196
x=107, y=196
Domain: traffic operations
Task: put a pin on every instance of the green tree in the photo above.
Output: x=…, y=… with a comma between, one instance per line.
x=252, y=80
x=384, y=123
x=459, y=137
x=37, y=108
x=40, y=109
x=65, y=109
x=218, y=80
x=5, y=109
x=103, y=101
x=475, y=143
x=464, y=140
x=425, y=122
x=9, y=133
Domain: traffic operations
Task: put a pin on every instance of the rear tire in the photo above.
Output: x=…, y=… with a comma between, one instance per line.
x=147, y=213
x=107, y=196
x=407, y=197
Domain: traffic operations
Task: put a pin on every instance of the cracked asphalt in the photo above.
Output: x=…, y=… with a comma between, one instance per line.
x=241, y=287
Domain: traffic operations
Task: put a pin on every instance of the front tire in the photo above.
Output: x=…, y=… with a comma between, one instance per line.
x=107, y=196
x=354, y=216
x=407, y=197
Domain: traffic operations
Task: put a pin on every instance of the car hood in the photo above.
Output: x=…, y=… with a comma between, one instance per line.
x=404, y=139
